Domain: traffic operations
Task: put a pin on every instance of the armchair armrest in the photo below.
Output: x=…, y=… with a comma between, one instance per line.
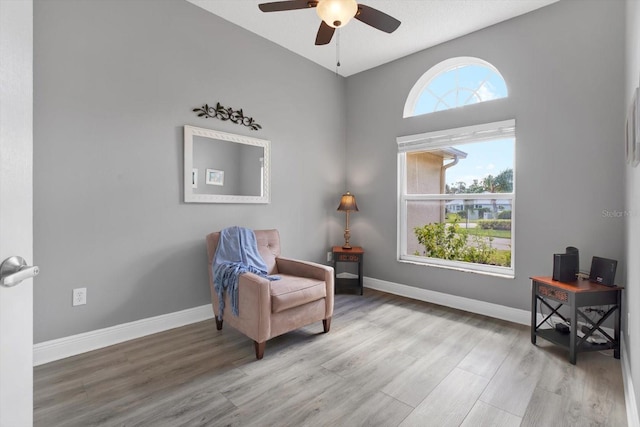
x=254, y=307
x=296, y=267
x=312, y=270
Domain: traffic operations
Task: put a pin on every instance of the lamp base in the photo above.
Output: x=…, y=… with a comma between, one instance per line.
x=347, y=235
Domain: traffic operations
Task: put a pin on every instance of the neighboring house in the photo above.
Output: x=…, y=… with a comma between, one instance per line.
x=426, y=174
x=475, y=207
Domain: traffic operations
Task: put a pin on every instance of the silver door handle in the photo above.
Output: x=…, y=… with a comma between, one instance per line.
x=14, y=270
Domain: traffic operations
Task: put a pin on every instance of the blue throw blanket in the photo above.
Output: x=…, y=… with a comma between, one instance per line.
x=237, y=253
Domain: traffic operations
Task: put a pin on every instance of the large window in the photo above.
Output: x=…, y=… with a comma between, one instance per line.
x=457, y=198
x=454, y=83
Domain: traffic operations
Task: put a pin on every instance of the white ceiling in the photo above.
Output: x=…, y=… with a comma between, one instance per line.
x=425, y=23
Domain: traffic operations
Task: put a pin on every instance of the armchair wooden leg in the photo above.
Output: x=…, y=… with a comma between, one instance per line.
x=218, y=323
x=326, y=324
x=260, y=348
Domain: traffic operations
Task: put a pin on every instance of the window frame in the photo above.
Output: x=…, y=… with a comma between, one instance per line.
x=442, y=67
x=447, y=138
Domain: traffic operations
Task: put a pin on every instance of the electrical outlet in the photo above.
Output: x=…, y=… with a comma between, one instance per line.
x=79, y=296
x=329, y=257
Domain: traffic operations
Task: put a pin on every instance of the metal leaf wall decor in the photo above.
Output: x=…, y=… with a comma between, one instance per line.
x=223, y=113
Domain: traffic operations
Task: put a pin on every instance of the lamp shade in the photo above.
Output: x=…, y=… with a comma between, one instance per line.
x=336, y=13
x=348, y=203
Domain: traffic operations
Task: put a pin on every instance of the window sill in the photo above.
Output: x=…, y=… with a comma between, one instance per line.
x=507, y=274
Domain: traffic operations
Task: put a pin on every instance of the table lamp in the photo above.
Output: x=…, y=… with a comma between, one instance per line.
x=347, y=204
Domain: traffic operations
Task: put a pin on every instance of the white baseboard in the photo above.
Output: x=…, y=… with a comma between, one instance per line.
x=633, y=420
x=510, y=314
x=497, y=311
x=61, y=348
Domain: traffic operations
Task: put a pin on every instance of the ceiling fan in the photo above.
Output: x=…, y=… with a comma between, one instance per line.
x=336, y=14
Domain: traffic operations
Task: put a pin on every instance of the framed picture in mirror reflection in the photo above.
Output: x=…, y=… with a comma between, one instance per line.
x=215, y=177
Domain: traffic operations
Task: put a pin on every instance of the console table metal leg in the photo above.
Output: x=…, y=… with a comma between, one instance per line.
x=574, y=332
x=616, y=326
x=360, y=275
x=534, y=313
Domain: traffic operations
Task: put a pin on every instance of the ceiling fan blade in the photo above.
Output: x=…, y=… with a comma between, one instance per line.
x=325, y=33
x=377, y=19
x=279, y=6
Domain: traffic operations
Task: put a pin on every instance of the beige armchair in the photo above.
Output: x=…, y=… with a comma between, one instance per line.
x=303, y=295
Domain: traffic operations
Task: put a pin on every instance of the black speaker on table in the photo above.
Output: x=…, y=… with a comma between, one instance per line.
x=566, y=265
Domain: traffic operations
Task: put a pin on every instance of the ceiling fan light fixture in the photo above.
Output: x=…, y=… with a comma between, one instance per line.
x=337, y=13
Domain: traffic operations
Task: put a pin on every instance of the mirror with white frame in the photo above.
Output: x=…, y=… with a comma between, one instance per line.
x=221, y=167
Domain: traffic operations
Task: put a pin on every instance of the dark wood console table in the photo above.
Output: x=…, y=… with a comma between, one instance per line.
x=355, y=254
x=576, y=296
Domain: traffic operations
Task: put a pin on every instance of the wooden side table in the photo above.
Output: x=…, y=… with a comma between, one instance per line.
x=355, y=254
x=575, y=296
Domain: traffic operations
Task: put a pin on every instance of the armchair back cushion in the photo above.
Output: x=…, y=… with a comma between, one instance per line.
x=268, y=245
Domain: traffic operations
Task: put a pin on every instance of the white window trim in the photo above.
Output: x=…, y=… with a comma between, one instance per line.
x=446, y=65
x=461, y=135
x=438, y=139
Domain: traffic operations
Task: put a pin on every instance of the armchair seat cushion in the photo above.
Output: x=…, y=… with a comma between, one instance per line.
x=293, y=291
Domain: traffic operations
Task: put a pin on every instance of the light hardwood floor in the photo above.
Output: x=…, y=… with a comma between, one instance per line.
x=387, y=361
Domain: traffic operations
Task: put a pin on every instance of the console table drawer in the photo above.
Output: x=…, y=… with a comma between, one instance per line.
x=348, y=258
x=553, y=293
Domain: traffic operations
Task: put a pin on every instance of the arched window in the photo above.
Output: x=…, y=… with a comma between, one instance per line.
x=457, y=187
x=453, y=83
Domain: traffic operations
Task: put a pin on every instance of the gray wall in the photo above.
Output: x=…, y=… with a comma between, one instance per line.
x=563, y=68
x=632, y=209
x=114, y=83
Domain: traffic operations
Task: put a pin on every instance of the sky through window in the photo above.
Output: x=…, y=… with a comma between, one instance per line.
x=459, y=86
